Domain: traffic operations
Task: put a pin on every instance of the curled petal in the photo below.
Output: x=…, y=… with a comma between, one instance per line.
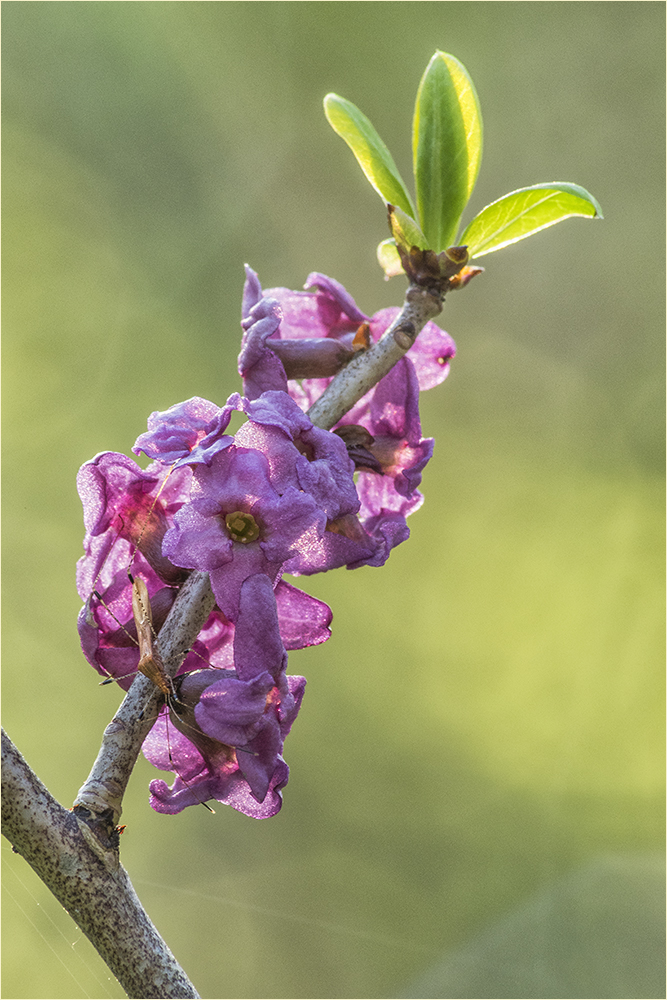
x=327, y=310
x=344, y=542
x=257, y=761
x=232, y=790
x=120, y=500
x=230, y=710
x=198, y=781
x=101, y=480
x=337, y=293
x=259, y=367
x=252, y=291
x=278, y=409
x=301, y=456
x=174, y=435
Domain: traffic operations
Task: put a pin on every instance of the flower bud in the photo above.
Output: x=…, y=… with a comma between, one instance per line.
x=319, y=357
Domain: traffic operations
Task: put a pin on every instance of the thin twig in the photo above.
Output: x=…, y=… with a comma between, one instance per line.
x=368, y=367
x=101, y=795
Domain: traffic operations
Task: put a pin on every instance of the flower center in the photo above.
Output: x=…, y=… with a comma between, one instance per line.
x=242, y=527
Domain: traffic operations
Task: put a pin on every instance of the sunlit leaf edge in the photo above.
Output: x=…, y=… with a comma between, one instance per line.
x=370, y=151
x=565, y=187
x=440, y=219
x=472, y=116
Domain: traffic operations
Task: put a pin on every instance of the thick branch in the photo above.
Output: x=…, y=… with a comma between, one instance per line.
x=99, y=897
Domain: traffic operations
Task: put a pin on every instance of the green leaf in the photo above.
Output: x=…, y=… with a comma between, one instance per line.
x=405, y=230
x=372, y=155
x=446, y=147
x=389, y=260
x=524, y=212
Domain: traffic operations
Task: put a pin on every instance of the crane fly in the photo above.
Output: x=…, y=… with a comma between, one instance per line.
x=150, y=662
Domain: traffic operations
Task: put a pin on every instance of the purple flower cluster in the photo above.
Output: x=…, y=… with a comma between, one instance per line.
x=288, y=334
x=278, y=496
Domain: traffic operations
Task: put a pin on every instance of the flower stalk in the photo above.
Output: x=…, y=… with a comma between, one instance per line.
x=99, y=800
x=367, y=367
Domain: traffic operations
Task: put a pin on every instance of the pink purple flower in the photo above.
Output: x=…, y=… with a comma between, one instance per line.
x=388, y=449
x=231, y=724
x=236, y=524
x=189, y=432
x=128, y=512
x=327, y=310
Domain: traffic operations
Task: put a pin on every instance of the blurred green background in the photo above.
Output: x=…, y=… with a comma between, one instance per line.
x=477, y=769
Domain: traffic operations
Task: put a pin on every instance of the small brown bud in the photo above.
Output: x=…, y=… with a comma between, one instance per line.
x=355, y=434
x=461, y=279
x=404, y=336
x=362, y=338
x=350, y=526
x=358, y=441
x=458, y=254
